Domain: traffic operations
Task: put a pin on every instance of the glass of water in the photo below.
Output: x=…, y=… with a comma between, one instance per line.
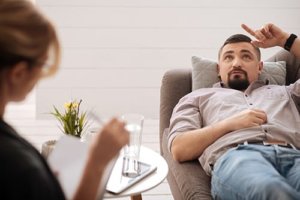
x=134, y=125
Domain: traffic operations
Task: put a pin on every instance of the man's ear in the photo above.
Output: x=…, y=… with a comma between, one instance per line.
x=218, y=71
x=18, y=73
x=260, y=66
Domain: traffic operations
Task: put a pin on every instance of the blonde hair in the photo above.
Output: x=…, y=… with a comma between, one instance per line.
x=27, y=35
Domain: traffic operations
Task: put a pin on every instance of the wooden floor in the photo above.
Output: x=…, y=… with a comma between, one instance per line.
x=22, y=117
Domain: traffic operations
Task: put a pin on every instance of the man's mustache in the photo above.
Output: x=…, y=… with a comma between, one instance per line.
x=237, y=70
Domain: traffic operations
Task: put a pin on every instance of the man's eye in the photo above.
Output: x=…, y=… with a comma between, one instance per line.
x=227, y=58
x=247, y=57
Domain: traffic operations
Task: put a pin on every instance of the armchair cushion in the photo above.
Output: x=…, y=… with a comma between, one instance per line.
x=205, y=74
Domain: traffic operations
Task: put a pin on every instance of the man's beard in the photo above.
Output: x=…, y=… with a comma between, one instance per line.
x=237, y=82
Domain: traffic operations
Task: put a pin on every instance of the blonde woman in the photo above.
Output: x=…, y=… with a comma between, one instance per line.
x=29, y=50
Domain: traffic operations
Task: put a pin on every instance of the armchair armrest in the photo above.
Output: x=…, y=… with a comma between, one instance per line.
x=175, y=84
x=187, y=180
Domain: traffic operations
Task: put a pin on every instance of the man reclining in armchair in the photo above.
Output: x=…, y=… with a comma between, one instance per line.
x=245, y=132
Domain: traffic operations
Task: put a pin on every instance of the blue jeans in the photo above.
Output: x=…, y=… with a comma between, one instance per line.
x=257, y=172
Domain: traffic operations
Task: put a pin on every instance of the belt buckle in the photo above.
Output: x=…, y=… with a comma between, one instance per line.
x=267, y=143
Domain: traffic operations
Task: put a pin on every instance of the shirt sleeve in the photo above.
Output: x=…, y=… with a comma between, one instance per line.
x=294, y=90
x=185, y=117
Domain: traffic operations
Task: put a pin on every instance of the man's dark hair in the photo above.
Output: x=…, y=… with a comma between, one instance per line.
x=239, y=38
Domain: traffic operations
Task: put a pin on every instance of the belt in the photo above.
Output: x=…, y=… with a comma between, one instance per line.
x=286, y=145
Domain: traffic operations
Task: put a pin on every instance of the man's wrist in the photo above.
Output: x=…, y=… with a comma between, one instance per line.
x=226, y=126
x=282, y=39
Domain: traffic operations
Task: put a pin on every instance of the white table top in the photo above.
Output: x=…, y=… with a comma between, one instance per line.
x=148, y=156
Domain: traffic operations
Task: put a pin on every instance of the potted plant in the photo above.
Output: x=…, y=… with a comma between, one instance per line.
x=72, y=122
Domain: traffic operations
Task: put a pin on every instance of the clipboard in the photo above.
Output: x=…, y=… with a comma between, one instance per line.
x=68, y=160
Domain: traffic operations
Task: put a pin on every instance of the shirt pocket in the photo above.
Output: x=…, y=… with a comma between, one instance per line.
x=228, y=106
x=275, y=93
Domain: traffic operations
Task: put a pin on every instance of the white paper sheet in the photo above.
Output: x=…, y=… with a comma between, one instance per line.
x=68, y=161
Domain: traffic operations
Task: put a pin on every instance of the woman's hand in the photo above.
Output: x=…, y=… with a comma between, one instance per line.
x=107, y=144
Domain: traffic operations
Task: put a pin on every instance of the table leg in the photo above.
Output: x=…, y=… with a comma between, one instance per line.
x=136, y=197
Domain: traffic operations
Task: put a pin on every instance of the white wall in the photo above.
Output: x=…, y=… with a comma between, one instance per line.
x=116, y=51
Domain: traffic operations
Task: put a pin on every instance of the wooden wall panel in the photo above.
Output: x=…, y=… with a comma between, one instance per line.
x=115, y=52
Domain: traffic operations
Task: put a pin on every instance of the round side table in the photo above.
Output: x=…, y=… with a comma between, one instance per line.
x=151, y=157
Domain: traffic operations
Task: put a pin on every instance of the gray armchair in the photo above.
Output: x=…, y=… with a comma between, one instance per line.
x=188, y=180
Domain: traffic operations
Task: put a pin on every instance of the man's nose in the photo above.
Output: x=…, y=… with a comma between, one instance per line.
x=237, y=63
